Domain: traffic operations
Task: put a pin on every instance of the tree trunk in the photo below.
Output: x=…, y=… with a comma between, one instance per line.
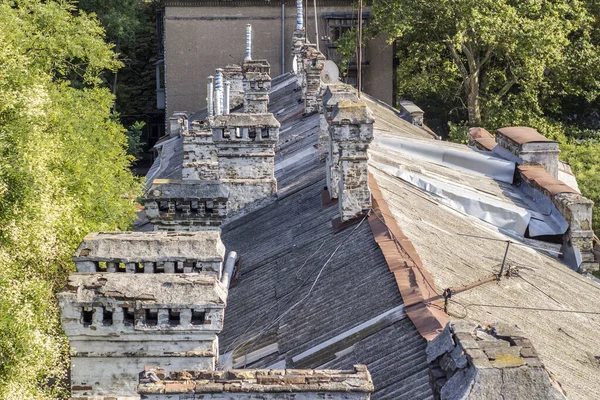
x=472, y=87
x=117, y=50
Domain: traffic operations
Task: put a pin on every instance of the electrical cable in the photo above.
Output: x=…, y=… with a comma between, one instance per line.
x=255, y=338
x=309, y=291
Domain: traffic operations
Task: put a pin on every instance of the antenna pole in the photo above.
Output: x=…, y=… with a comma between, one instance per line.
x=316, y=25
x=504, y=260
x=359, y=55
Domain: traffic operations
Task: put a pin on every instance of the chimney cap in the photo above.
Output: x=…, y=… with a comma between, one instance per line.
x=523, y=134
x=351, y=112
x=246, y=120
x=185, y=189
x=151, y=246
x=334, y=93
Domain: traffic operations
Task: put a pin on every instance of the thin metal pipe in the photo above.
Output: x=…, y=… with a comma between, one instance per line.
x=282, y=37
x=316, y=25
x=359, y=55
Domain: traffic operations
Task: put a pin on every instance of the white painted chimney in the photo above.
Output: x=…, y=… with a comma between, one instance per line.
x=248, y=43
x=226, y=96
x=219, y=91
x=299, y=15
x=210, y=96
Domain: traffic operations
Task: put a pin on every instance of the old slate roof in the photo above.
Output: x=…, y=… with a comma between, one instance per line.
x=354, y=312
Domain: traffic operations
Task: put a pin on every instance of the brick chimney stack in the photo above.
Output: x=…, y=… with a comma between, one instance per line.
x=245, y=145
x=350, y=132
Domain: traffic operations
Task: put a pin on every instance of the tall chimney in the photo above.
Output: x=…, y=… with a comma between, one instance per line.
x=226, y=95
x=351, y=131
x=210, y=96
x=219, y=91
x=248, y=43
x=299, y=15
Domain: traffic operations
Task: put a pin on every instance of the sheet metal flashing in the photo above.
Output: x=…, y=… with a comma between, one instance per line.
x=523, y=134
x=422, y=303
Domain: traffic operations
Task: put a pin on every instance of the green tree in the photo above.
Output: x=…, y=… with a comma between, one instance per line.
x=492, y=55
x=64, y=172
x=496, y=63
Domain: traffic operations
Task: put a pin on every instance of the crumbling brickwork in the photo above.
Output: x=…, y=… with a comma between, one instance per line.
x=493, y=363
x=199, y=154
x=186, y=204
x=314, y=61
x=165, y=307
x=289, y=384
x=350, y=133
x=246, y=155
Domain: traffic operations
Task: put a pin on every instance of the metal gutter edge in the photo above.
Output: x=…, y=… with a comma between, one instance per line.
x=422, y=302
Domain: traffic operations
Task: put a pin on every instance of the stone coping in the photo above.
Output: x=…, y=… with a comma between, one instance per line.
x=537, y=177
x=163, y=189
x=523, y=134
x=151, y=246
x=157, y=381
x=351, y=112
x=172, y=290
x=246, y=120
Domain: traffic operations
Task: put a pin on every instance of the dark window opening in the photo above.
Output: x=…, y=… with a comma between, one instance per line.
x=226, y=134
x=151, y=317
x=86, y=315
x=139, y=268
x=121, y=267
x=174, y=318
x=179, y=267
x=160, y=268
x=210, y=207
x=107, y=317
x=188, y=265
x=101, y=266
x=198, y=317
x=252, y=133
x=163, y=205
x=128, y=316
x=264, y=133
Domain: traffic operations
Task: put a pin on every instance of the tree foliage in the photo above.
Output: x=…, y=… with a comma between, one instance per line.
x=497, y=63
x=63, y=173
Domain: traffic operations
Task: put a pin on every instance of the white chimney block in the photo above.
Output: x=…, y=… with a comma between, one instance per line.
x=210, y=96
x=226, y=97
x=248, y=43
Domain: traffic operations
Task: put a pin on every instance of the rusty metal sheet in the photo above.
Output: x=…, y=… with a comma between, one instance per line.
x=415, y=284
x=523, y=134
x=539, y=175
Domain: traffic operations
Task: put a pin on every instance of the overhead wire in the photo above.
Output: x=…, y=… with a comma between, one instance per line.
x=256, y=338
x=307, y=294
